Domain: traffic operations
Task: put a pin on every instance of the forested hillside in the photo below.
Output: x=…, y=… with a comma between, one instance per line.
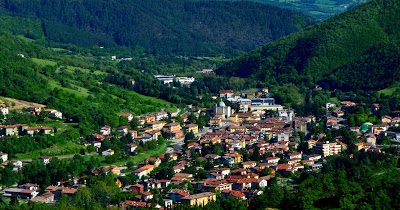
x=162, y=26
x=352, y=51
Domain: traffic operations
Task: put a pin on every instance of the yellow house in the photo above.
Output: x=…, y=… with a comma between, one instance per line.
x=216, y=140
x=144, y=171
x=158, y=125
x=216, y=121
x=237, y=157
x=173, y=127
x=234, y=118
x=237, y=129
x=147, y=119
x=147, y=129
x=192, y=128
x=200, y=199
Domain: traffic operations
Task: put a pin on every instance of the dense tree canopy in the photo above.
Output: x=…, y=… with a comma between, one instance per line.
x=162, y=26
x=354, y=50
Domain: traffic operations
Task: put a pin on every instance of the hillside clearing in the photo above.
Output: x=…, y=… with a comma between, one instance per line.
x=15, y=104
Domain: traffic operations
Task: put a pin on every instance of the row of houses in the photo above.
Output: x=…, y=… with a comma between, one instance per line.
x=31, y=192
x=23, y=129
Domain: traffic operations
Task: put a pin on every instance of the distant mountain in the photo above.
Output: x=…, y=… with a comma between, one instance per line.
x=357, y=50
x=162, y=26
x=319, y=9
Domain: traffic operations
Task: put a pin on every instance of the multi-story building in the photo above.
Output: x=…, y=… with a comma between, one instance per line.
x=200, y=199
x=326, y=148
x=173, y=127
x=191, y=128
x=157, y=125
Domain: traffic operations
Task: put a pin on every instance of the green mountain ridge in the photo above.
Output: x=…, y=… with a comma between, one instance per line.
x=162, y=26
x=328, y=51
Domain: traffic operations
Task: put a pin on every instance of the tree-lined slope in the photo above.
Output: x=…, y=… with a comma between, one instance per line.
x=163, y=26
x=71, y=83
x=340, y=50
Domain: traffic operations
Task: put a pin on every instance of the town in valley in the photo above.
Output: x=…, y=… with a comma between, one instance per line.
x=235, y=148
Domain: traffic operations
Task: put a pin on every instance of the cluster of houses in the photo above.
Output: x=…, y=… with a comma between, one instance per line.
x=253, y=131
x=52, y=113
x=243, y=148
x=34, y=110
x=272, y=137
x=31, y=192
x=231, y=175
x=23, y=129
x=368, y=133
x=151, y=126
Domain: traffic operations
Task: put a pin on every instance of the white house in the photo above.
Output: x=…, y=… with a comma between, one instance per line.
x=17, y=165
x=282, y=136
x=123, y=129
x=273, y=160
x=46, y=160
x=3, y=156
x=97, y=144
x=131, y=147
x=262, y=182
x=313, y=157
x=4, y=111
x=286, y=114
x=330, y=106
x=161, y=115
x=108, y=152
x=54, y=113
x=225, y=171
x=106, y=130
x=294, y=155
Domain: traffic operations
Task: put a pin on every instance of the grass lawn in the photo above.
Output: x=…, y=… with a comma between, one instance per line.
x=334, y=100
x=79, y=91
x=44, y=62
x=56, y=150
x=56, y=49
x=86, y=71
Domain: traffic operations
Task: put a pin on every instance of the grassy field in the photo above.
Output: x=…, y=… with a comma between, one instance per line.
x=56, y=150
x=79, y=91
x=15, y=104
x=390, y=90
x=73, y=69
x=44, y=62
